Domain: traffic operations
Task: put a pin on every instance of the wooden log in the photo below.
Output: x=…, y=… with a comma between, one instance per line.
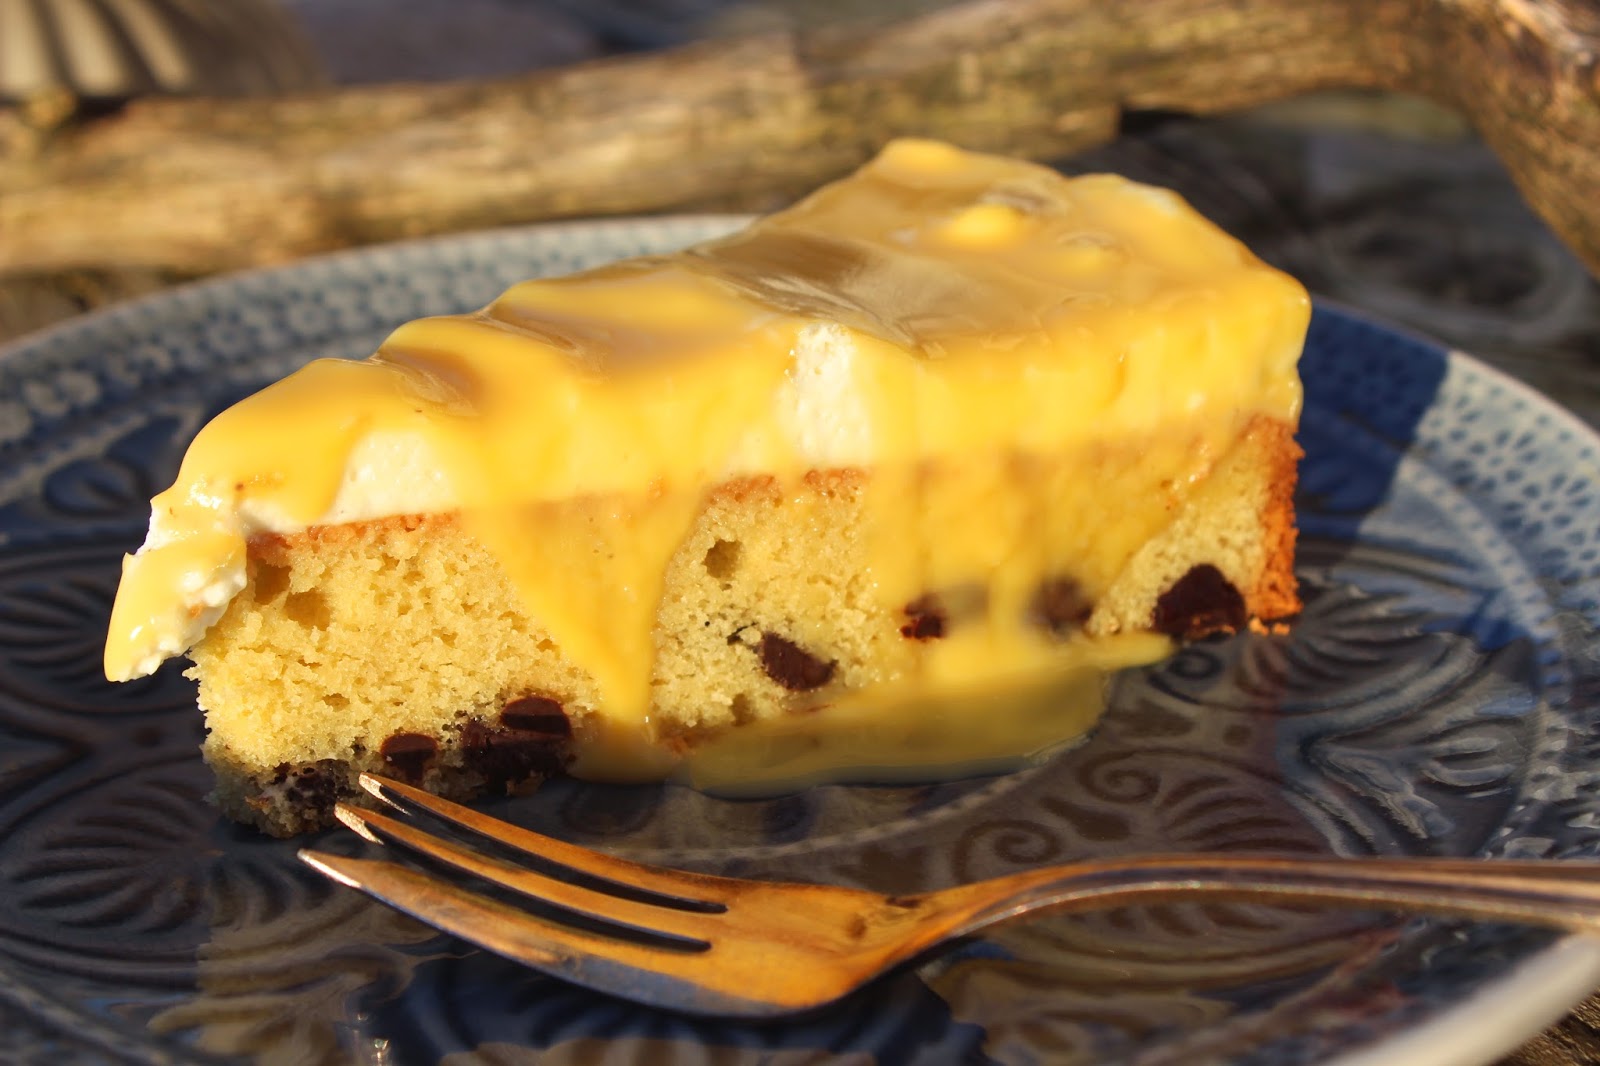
x=197, y=186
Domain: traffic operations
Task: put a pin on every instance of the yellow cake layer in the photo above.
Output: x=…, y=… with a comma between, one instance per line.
x=349, y=636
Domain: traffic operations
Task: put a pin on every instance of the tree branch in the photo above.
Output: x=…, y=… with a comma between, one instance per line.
x=203, y=185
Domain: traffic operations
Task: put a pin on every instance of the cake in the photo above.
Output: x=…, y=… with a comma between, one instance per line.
x=949, y=420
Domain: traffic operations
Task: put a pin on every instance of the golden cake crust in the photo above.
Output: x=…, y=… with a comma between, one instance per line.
x=1276, y=594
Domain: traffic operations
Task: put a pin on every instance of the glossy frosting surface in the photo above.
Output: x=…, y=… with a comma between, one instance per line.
x=935, y=304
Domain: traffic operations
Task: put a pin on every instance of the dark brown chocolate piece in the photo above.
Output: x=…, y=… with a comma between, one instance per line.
x=1202, y=601
x=527, y=747
x=931, y=615
x=314, y=788
x=1059, y=605
x=537, y=714
x=925, y=618
x=792, y=666
x=408, y=754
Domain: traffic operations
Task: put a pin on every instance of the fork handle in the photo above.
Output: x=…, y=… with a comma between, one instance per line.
x=1560, y=894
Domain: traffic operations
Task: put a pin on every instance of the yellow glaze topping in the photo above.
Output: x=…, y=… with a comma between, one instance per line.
x=936, y=304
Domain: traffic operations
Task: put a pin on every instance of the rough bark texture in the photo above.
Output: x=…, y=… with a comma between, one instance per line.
x=200, y=185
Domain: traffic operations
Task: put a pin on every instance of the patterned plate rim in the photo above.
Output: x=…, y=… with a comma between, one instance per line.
x=1506, y=1013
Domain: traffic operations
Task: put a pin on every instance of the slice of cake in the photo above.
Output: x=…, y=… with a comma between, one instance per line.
x=951, y=420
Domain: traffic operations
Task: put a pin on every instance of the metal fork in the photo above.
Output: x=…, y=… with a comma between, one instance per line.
x=726, y=947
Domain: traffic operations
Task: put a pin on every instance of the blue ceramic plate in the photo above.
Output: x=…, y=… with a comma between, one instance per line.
x=1439, y=696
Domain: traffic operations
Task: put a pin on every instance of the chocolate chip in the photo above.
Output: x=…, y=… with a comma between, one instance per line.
x=537, y=714
x=508, y=757
x=1202, y=601
x=316, y=787
x=1059, y=605
x=925, y=618
x=408, y=754
x=930, y=615
x=792, y=666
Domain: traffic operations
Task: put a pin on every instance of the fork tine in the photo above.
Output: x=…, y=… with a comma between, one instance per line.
x=693, y=930
x=616, y=967
x=677, y=887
